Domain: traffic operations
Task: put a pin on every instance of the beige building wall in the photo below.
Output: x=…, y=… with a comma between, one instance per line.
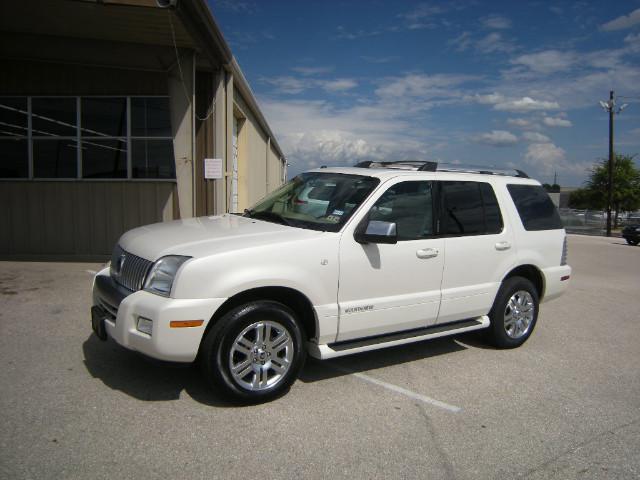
x=260, y=167
x=128, y=51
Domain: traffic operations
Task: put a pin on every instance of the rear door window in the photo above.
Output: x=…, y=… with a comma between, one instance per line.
x=469, y=208
x=536, y=209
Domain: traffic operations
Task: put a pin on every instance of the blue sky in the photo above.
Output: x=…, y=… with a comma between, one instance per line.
x=486, y=83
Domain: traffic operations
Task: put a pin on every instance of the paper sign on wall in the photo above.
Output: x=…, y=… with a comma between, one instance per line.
x=212, y=168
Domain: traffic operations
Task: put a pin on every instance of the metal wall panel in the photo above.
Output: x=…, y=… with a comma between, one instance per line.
x=76, y=219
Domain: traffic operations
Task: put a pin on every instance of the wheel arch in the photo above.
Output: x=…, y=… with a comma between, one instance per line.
x=531, y=273
x=294, y=299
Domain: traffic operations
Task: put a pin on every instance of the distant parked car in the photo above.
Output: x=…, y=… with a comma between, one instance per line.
x=631, y=233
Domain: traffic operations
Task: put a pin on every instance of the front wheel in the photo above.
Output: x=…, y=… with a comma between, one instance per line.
x=514, y=313
x=255, y=352
x=633, y=242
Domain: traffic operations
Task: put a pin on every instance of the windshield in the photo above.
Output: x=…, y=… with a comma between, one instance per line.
x=318, y=201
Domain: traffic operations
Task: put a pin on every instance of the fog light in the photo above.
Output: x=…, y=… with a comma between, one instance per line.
x=145, y=325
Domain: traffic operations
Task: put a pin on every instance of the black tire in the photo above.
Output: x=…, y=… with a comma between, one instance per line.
x=507, y=326
x=632, y=242
x=220, y=352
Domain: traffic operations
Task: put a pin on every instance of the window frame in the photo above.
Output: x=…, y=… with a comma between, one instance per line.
x=78, y=138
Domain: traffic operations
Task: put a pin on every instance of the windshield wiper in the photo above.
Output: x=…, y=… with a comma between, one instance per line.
x=267, y=216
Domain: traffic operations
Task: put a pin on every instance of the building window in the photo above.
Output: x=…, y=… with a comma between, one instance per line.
x=14, y=136
x=86, y=138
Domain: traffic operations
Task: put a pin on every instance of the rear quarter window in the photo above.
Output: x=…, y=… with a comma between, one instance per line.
x=535, y=208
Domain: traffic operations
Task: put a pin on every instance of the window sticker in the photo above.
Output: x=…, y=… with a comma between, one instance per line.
x=338, y=212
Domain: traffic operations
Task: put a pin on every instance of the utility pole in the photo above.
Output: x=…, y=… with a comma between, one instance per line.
x=612, y=104
x=610, y=108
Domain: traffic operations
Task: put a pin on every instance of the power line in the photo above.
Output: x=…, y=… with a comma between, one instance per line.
x=184, y=85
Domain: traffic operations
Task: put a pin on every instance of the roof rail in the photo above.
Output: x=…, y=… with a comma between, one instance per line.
x=426, y=166
x=420, y=165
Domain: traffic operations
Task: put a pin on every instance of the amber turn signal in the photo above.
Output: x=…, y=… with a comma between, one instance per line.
x=185, y=323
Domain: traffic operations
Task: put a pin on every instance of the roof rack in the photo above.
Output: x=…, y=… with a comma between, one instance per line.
x=425, y=166
x=420, y=165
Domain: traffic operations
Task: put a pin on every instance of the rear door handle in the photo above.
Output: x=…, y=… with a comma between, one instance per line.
x=427, y=253
x=503, y=246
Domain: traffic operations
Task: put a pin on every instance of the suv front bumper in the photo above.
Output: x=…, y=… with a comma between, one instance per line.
x=122, y=309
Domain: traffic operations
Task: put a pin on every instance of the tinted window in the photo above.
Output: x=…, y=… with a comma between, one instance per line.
x=104, y=158
x=492, y=215
x=150, y=117
x=55, y=158
x=322, y=193
x=104, y=117
x=54, y=117
x=14, y=158
x=408, y=205
x=152, y=159
x=536, y=209
x=289, y=204
x=13, y=116
x=462, y=212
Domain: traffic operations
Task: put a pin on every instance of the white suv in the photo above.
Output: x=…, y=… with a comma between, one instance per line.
x=401, y=252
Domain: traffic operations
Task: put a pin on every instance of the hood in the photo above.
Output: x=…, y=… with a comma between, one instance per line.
x=204, y=236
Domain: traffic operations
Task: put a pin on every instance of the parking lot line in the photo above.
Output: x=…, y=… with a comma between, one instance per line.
x=401, y=391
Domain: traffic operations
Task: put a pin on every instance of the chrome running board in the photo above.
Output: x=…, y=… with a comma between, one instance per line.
x=339, y=349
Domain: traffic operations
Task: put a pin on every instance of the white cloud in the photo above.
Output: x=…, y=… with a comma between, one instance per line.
x=494, y=43
x=497, y=138
x=338, y=85
x=631, y=38
x=496, y=22
x=545, y=157
x=623, y=22
x=488, y=99
x=310, y=71
x=510, y=104
x=422, y=11
x=289, y=85
x=462, y=42
x=525, y=104
x=556, y=122
x=314, y=133
x=379, y=60
x=535, y=137
x=520, y=122
x=422, y=86
x=549, y=61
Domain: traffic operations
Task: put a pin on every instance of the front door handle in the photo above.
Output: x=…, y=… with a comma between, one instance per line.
x=503, y=246
x=427, y=253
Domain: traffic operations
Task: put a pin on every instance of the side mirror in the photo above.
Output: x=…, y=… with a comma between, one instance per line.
x=375, y=231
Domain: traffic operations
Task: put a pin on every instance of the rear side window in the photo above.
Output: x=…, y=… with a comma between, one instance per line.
x=469, y=208
x=536, y=209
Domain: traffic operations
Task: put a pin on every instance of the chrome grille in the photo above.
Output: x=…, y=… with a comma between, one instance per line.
x=128, y=269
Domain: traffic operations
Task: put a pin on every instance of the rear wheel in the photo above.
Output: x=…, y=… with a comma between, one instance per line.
x=633, y=242
x=255, y=352
x=514, y=313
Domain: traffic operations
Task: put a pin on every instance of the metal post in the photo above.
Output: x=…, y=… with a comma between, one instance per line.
x=611, y=159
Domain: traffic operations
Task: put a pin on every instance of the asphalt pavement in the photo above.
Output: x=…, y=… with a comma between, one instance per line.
x=564, y=405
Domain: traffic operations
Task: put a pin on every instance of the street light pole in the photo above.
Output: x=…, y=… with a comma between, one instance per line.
x=610, y=108
x=611, y=159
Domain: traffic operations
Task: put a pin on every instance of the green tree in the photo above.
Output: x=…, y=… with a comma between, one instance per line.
x=584, y=199
x=626, y=187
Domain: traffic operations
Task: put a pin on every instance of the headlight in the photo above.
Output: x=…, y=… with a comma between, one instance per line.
x=160, y=277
